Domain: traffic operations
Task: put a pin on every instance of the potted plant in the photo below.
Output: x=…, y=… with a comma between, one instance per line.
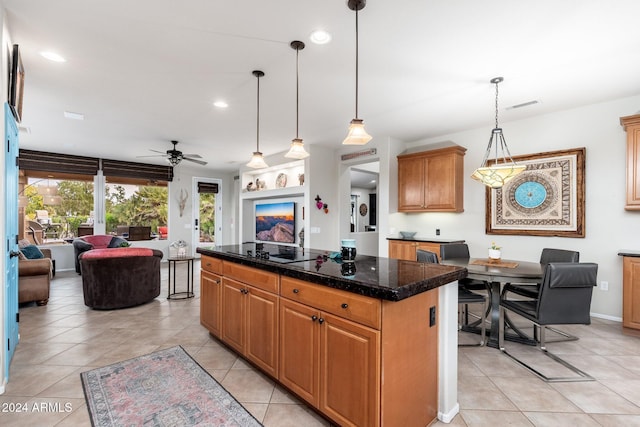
x=494, y=251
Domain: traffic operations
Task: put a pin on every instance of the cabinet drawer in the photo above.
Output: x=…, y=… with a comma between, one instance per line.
x=259, y=278
x=350, y=306
x=213, y=265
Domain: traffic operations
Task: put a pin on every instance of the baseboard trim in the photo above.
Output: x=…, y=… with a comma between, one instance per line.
x=449, y=416
x=607, y=317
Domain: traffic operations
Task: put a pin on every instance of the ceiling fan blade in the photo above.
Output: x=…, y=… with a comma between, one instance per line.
x=156, y=151
x=200, y=162
x=154, y=155
x=193, y=156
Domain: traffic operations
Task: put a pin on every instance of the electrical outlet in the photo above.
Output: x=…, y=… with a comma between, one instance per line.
x=432, y=316
x=604, y=286
x=437, y=231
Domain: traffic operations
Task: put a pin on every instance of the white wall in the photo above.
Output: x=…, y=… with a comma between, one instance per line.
x=609, y=227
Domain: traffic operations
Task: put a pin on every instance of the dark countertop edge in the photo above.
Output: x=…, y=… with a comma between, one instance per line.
x=426, y=239
x=629, y=252
x=347, y=285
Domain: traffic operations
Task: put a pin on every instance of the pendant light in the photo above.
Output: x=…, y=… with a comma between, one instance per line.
x=498, y=173
x=297, y=150
x=257, y=161
x=357, y=135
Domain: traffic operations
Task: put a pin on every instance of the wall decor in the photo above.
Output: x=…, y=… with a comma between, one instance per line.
x=547, y=199
x=363, y=209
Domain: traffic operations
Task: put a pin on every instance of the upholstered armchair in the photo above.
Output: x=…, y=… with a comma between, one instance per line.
x=95, y=241
x=34, y=278
x=118, y=278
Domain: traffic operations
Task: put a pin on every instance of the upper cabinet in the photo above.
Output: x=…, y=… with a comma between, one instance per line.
x=631, y=125
x=431, y=181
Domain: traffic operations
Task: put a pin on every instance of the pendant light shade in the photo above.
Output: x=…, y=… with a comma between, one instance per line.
x=503, y=167
x=297, y=150
x=257, y=160
x=357, y=135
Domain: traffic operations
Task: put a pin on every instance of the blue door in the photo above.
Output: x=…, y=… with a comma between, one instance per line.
x=11, y=229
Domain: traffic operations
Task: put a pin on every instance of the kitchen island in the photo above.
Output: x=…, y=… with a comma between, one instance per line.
x=371, y=342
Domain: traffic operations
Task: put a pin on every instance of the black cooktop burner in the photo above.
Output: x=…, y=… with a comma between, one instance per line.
x=277, y=253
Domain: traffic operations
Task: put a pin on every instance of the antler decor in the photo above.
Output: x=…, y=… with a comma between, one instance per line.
x=182, y=200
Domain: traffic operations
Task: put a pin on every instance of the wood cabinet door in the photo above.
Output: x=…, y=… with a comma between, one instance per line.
x=349, y=371
x=631, y=293
x=233, y=313
x=402, y=250
x=411, y=184
x=440, y=178
x=261, y=346
x=210, y=299
x=300, y=350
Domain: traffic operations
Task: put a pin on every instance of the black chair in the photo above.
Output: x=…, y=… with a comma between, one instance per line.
x=528, y=290
x=564, y=299
x=548, y=255
x=465, y=297
x=461, y=250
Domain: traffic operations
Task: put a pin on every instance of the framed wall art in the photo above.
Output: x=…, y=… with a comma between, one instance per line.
x=547, y=199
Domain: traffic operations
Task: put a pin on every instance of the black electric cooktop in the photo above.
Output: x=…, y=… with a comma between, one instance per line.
x=276, y=253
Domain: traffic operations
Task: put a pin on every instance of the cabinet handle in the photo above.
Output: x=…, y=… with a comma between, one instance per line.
x=217, y=282
x=321, y=320
x=344, y=305
x=244, y=291
x=314, y=318
x=295, y=291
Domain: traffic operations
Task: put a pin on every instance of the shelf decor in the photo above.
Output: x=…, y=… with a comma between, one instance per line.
x=547, y=199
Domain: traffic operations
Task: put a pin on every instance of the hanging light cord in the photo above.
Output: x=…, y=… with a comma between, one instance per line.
x=496, y=105
x=297, y=91
x=357, y=62
x=258, y=117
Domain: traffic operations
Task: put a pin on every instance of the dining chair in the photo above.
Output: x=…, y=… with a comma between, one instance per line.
x=465, y=297
x=564, y=299
x=529, y=290
x=461, y=251
x=546, y=256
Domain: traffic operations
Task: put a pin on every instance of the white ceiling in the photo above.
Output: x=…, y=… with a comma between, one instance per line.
x=145, y=72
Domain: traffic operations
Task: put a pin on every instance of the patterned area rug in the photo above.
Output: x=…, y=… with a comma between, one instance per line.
x=164, y=388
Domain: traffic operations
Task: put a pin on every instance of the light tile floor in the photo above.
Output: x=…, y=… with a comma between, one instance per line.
x=65, y=338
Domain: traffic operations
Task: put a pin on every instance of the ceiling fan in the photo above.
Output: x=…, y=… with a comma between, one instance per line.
x=174, y=156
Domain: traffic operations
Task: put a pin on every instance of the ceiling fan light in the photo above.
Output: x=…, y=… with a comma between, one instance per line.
x=257, y=161
x=174, y=161
x=357, y=134
x=297, y=150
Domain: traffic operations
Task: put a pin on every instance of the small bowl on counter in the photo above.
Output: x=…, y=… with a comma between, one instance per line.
x=407, y=234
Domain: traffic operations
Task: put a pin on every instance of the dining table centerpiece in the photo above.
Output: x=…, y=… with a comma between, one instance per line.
x=494, y=252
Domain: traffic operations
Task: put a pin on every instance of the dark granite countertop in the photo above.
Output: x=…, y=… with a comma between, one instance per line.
x=377, y=277
x=629, y=252
x=425, y=239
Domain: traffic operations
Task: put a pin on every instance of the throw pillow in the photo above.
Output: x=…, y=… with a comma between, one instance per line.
x=23, y=242
x=32, y=252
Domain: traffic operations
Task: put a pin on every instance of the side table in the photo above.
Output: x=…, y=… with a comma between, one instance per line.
x=189, y=292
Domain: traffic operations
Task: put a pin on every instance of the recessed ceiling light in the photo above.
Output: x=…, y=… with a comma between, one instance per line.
x=74, y=116
x=52, y=56
x=220, y=104
x=320, y=37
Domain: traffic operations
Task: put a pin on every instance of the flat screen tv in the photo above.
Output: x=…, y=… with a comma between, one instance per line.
x=16, y=83
x=276, y=222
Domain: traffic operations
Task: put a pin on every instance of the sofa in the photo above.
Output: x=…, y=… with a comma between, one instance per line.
x=34, y=278
x=95, y=241
x=120, y=277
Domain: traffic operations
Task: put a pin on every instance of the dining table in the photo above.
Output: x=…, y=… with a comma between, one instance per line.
x=497, y=273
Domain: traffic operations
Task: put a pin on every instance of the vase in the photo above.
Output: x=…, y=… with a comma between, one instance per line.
x=494, y=254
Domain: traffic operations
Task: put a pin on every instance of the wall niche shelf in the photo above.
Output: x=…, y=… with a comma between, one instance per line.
x=280, y=180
